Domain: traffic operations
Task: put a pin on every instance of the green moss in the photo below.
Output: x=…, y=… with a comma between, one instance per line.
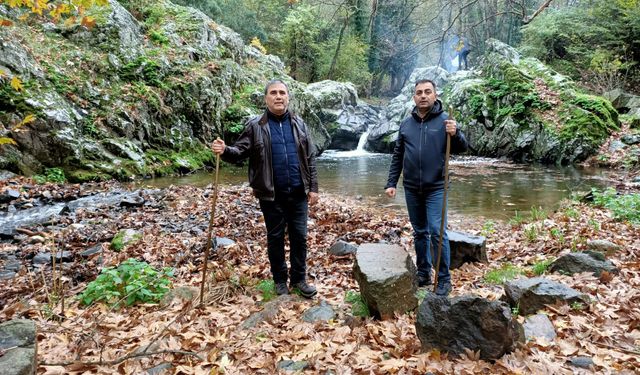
x=159, y=38
x=143, y=69
x=163, y=163
x=81, y=175
x=119, y=241
x=233, y=117
x=588, y=117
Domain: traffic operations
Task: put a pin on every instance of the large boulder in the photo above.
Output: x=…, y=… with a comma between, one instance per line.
x=512, y=107
x=518, y=108
x=386, y=276
x=588, y=261
x=466, y=322
x=18, y=338
x=383, y=134
x=152, y=98
x=466, y=248
x=531, y=295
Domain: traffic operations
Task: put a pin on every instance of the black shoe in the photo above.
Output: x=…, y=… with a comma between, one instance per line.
x=281, y=288
x=424, y=281
x=443, y=288
x=306, y=290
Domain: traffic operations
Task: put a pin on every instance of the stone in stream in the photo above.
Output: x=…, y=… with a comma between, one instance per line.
x=386, y=276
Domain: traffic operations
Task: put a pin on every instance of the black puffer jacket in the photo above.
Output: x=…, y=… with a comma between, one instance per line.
x=255, y=143
x=420, y=150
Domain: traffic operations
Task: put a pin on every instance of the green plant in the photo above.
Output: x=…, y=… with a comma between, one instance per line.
x=577, y=306
x=488, y=228
x=594, y=224
x=538, y=213
x=558, y=234
x=517, y=219
x=531, y=232
x=158, y=37
x=358, y=306
x=131, y=282
x=623, y=207
x=515, y=311
x=120, y=240
x=571, y=212
x=500, y=275
x=541, y=267
x=268, y=290
x=55, y=175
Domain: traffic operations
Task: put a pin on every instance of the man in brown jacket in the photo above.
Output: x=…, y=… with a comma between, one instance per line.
x=282, y=174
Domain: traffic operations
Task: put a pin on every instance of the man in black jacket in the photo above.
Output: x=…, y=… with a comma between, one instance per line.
x=282, y=174
x=419, y=154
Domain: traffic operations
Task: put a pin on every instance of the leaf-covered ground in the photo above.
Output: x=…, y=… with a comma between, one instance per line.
x=208, y=339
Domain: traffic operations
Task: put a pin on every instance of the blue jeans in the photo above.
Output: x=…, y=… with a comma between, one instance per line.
x=425, y=214
x=287, y=211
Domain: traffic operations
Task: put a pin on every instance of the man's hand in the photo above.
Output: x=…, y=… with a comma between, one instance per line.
x=450, y=126
x=313, y=198
x=391, y=192
x=218, y=146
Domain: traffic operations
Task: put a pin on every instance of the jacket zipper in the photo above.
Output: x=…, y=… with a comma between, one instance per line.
x=420, y=154
x=286, y=157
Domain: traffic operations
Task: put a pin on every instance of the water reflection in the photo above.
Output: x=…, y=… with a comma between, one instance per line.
x=479, y=187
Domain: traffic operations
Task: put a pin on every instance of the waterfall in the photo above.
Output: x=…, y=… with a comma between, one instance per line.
x=362, y=141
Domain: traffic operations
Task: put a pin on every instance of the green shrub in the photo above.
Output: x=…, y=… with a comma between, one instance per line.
x=500, y=275
x=541, y=267
x=55, y=175
x=623, y=207
x=358, y=306
x=131, y=282
x=268, y=290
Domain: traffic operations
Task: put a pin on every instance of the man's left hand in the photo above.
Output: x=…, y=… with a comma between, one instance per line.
x=450, y=127
x=313, y=198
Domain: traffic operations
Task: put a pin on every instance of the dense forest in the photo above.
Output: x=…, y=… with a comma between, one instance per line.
x=377, y=44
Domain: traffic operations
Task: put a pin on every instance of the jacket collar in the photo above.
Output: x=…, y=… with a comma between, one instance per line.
x=264, y=119
x=435, y=111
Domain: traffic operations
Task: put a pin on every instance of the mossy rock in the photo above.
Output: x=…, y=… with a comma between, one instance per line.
x=125, y=238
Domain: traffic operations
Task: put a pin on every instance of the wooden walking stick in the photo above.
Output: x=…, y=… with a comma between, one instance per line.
x=209, y=234
x=444, y=201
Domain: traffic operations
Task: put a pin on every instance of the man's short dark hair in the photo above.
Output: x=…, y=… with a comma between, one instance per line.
x=421, y=81
x=273, y=82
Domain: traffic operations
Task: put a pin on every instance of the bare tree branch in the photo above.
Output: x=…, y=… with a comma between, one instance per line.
x=544, y=6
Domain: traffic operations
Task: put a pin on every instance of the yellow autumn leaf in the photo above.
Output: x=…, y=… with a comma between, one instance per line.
x=7, y=141
x=4, y=22
x=16, y=83
x=69, y=21
x=2, y=73
x=27, y=120
x=88, y=22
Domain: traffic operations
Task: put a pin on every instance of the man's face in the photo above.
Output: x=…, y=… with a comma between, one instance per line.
x=277, y=98
x=424, y=96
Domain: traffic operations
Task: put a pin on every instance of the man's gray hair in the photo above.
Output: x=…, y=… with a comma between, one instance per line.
x=421, y=81
x=273, y=82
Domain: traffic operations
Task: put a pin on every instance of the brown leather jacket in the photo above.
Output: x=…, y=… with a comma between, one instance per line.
x=255, y=143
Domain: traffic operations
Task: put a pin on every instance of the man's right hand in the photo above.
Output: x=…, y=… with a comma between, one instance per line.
x=391, y=192
x=218, y=146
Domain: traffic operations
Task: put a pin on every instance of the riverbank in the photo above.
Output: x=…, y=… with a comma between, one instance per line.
x=170, y=227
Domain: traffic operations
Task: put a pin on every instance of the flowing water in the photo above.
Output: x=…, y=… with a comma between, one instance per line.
x=480, y=187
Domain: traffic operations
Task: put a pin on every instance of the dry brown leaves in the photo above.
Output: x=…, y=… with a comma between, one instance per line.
x=174, y=229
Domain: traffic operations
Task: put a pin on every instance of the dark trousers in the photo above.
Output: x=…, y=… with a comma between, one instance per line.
x=425, y=215
x=287, y=212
